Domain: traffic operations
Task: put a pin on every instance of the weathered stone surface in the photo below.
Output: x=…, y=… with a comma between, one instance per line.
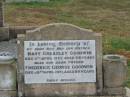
x=127, y=92
x=115, y=91
x=8, y=94
x=60, y=31
x=14, y=30
x=8, y=76
x=11, y=47
x=60, y=90
x=4, y=33
x=20, y=70
x=8, y=69
x=115, y=68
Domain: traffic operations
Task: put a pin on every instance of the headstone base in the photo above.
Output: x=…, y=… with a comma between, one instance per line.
x=114, y=91
x=52, y=90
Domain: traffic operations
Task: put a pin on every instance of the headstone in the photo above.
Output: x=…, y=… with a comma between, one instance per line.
x=59, y=60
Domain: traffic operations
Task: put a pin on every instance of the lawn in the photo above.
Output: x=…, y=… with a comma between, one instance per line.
x=109, y=17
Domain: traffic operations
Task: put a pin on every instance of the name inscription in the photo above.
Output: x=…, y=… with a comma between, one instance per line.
x=59, y=61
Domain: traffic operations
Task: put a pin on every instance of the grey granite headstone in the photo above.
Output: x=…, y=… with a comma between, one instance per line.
x=54, y=37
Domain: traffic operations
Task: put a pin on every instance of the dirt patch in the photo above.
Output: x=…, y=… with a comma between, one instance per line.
x=124, y=53
x=31, y=16
x=37, y=10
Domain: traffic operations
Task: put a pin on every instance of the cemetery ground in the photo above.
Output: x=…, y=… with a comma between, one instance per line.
x=111, y=18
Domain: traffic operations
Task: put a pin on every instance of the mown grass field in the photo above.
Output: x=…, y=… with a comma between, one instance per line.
x=109, y=17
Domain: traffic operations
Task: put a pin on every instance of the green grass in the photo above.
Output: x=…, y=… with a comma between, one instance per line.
x=51, y=3
x=112, y=44
x=120, y=43
x=104, y=16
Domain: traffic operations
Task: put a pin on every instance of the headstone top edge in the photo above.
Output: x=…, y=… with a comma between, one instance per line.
x=62, y=24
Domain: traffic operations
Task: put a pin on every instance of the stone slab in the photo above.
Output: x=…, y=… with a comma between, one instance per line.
x=59, y=31
x=59, y=90
x=61, y=61
x=9, y=46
